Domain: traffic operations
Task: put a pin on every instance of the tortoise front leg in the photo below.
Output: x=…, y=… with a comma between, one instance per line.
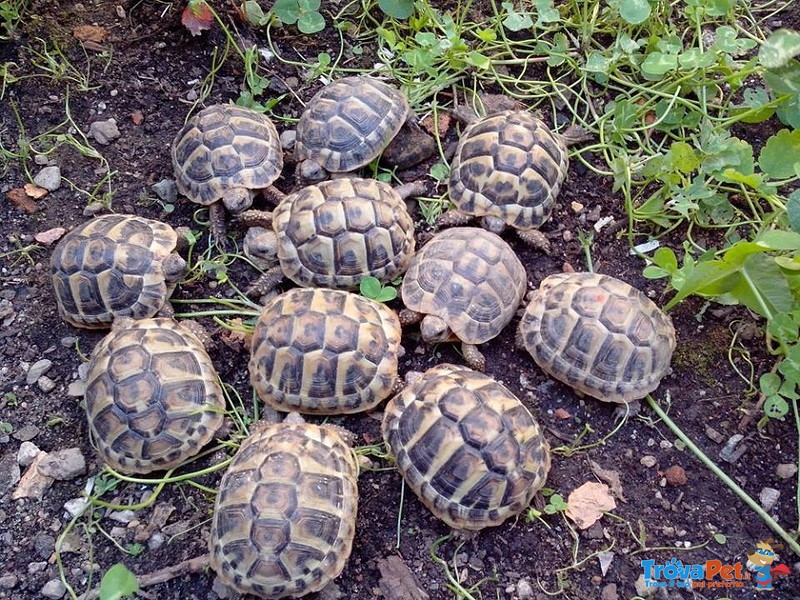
x=216, y=217
x=409, y=317
x=474, y=358
x=452, y=218
x=536, y=239
x=266, y=283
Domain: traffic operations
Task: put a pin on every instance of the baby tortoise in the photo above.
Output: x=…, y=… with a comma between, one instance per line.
x=222, y=156
x=115, y=266
x=508, y=169
x=324, y=352
x=465, y=284
x=467, y=446
x=598, y=335
x=333, y=234
x=285, y=515
x=153, y=397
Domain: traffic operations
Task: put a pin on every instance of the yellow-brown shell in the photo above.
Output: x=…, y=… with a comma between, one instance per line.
x=112, y=266
x=335, y=233
x=222, y=147
x=598, y=335
x=511, y=166
x=285, y=514
x=153, y=398
x=349, y=122
x=467, y=446
x=324, y=351
x=470, y=278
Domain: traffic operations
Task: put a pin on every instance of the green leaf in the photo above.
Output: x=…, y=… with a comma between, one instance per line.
x=515, y=21
x=118, y=583
x=789, y=112
x=634, y=11
x=597, y=63
x=781, y=47
x=397, y=9
x=476, y=59
x=783, y=327
x=311, y=22
x=288, y=11
x=657, y=64
x=695, y=58
x=684, y=157
x=654, y=272
x=776, y=407
x=370, y=287
x=793, y=210
x=762, y=287
x=780, y=154
x=547, y=13
x=720, y=538
x=386, y=294
x=253, y=13
x=779, y=239
x=711, y=278
x=769, y=383
x=666, y=259
x=440, y=172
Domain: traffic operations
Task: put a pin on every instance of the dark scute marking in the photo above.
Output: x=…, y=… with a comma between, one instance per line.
x=269, y=536
x=459, y=467
x=485, y=494
x=120, y=293
x=318, y=524
x=323, y=380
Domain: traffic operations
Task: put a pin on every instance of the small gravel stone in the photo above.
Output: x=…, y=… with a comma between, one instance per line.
x=37, y=567
x=8, y=581
x=104, y=131
x=676, y=475
x=768, y=498
x=93, y=208
x=288, y=139
x=53, y=589
x=26, y=454
x=156, y=541
x=71, y=542
x=524, y=589
x=122, y=516
x=40, y=159
x=609, y=592
x=648, y=461
x=39, y=368
x=9, y=473
x=642, y=589
x=46, y=384
x=68, y=341
x=786, y=470
x=167, y=190
x=63, y=464
x=733, y=450
x=75, y=506
x=76, y=389
x=48, y=178
x=44, y=544
x=83, y=370
x=27, y=433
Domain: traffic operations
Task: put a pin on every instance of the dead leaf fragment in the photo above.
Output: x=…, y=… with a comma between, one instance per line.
x=610, y=477
x=21, y=200
x=197, y=17
x=50, y=236
x=34, y=191
x=562, y=413
x=90, y=33
x=585, y=505
x=137, y=117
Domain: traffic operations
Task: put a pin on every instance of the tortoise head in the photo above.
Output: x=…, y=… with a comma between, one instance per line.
x=435, y=329
x=493, y=224
x=261, y=246
x=174, y=268
x=238, y=199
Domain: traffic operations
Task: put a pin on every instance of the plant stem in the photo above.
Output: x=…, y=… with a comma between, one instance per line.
x=771, y=523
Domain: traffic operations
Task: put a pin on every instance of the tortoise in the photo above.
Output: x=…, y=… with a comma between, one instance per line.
x=598, y=335
x=508, y=169
x=221, y=156
x=333, y=234
x=465, y=284
x=153, y=397
x=285, y=515
x=467, y=446
x=324, y=352
x=346, y=125
x=115, y=266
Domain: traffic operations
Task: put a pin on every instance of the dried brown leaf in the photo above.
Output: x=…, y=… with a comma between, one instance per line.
x=137, y=117
x=197, y=17
x=90, y=33
x=585, y=505
x=610, y=477
x=34, y=191
x=21, y=200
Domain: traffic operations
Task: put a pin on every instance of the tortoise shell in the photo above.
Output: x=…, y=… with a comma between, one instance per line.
x=225, y=146
x=511, y=166
x=598, y=335
x=349, y=122
x=335, y=233
x=324, y=352
x=470, y=278
x=285, y=515
x=153, y=398
x=112, y=266
x=467, y=446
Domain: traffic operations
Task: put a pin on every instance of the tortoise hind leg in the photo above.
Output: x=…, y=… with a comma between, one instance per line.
x=452, y=218
x=266, y=283
x=475, y=359
x=536, y=239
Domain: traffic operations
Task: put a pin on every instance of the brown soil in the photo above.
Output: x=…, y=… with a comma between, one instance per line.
x=155, y=65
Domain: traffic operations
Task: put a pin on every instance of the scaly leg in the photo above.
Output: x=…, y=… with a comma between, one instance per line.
x=536, y=239
x=475, y=360
x=266, y=283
